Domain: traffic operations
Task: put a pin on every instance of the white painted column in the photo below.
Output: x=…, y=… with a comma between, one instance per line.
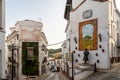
x=2, y=48
x=20, y=61
x=40, y=62
x=2, y=41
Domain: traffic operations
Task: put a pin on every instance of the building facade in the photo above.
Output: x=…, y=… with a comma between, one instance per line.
x=92, y=25
x=31, y=52
x=2, y=39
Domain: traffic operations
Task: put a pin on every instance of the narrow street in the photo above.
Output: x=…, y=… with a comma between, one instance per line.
x=52, y=76
x=60, y=40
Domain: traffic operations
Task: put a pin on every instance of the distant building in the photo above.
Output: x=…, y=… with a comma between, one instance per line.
x=51, y=61
x=95, y=25
x=31, y=53
x=58, y=58
x=2, y=40
x=55, y=61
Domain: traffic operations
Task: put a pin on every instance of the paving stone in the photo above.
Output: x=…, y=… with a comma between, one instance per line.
x=112, y=74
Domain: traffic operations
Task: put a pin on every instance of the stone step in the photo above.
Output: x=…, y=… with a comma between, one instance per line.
x=83, y=71
x=82, y=75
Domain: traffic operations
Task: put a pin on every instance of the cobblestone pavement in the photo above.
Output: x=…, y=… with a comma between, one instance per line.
x=112, y=74
x=115, y=75
x=53, y=76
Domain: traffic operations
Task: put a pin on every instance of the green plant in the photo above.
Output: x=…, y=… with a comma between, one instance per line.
x=30, y=67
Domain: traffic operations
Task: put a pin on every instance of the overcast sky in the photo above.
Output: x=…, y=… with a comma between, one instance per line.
x=50, y=12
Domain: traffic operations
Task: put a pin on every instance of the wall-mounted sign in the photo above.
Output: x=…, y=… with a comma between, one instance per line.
x=69, y=56
x=87, y=14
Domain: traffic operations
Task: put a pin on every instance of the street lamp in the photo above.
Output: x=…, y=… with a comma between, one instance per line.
x=100, y=37
x=12, y=48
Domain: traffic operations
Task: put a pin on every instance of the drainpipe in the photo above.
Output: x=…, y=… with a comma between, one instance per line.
x=72, y=60
x=72, y=67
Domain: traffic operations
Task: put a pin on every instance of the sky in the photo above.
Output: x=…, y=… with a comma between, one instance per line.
x=49, y=12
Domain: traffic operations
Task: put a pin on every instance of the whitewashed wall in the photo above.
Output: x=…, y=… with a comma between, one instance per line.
x=2, y=39
x=29, y=30
x=113, y=30
x=100, y=12
x=2, y=55
x=65, y=50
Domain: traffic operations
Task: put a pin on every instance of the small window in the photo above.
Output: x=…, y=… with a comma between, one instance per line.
x=43, y=47
x=118, y=23
x=30, y=53
x=17, y=36
x=44, y=60
x=0, y=51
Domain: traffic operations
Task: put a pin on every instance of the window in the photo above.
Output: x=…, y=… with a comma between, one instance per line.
x=118, y=41
x=111, y=49
x=0, y=51
x=44, y=60
x=43, y=47
x=17, y=36
x=30, y=53
x=118, y=24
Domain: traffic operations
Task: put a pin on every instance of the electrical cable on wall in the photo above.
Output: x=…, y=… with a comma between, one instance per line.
x=50, y=44
x=58, y=43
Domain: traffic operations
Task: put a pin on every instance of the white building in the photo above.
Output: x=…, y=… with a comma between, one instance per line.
x=2, y=39
x=95, y=25
x=31, y=42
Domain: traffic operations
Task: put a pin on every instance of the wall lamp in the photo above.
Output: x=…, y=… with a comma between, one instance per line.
x=100, y=37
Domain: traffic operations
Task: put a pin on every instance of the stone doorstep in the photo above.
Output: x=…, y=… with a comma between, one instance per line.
x=83, y=71
x=80, y=70
x=85, y=68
